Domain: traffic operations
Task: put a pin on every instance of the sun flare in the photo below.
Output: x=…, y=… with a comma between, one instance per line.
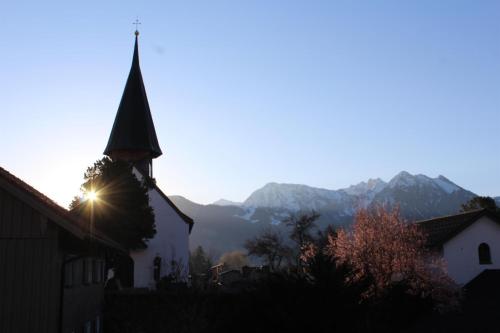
x=91, y=195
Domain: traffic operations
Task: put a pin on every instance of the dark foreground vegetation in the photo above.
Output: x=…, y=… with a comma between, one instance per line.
x=371, y=279
x=289, y=303
x=279, y=304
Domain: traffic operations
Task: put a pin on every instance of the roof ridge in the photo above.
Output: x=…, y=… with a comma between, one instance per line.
x=62, y=212
x=185, y=217
x=16, y=180
x=470, y=212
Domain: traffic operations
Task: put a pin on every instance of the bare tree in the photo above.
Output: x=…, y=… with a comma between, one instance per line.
x=270, y=246
x=480, y=202
x=301, y=233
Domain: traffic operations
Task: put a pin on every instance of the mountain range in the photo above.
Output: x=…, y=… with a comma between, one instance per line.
x=225, y=225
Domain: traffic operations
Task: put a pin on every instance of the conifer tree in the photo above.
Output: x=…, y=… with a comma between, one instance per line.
x=121, y=207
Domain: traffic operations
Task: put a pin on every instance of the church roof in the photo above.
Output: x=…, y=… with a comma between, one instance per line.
x=440, y=230
x=183, y=216
x=151, y=182
x=133, y=128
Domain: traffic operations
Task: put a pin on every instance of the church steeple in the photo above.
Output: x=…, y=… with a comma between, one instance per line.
x=133, y=137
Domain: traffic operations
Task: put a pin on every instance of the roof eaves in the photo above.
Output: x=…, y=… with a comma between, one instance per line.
x=186, y=218
x=43, y=204
x=445, y=217
x=45, y=208
x=470, y=218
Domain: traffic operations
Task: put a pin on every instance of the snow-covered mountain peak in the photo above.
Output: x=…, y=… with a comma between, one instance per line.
x=371, y=186
x=403, y=179
x=296, y=197
x=446, y=185
x=375, y=182
x=293, y=197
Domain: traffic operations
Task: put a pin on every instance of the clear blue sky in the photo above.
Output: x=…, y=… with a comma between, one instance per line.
x=324, y=93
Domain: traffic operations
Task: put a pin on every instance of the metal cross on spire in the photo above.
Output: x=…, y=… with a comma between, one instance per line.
x=137, y=26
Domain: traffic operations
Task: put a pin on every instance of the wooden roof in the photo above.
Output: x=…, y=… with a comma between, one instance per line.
x=133, y=129
x=440, y=230
x=49, y=208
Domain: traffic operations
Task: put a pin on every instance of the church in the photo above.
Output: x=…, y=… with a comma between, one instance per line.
x=133, y=139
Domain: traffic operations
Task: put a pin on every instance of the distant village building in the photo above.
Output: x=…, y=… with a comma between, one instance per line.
x=133, y=139
x=468, y=242
x=215, y=272
x=231, y=278
x=52, y=269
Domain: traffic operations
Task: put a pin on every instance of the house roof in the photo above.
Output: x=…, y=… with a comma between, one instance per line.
x=46, y=206
x=440, y=230
x=133, y=128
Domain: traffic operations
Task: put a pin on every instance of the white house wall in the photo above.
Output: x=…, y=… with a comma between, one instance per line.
x=461, y=252
x=171, y=243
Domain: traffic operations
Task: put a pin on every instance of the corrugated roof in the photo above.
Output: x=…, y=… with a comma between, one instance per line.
x=133, y=128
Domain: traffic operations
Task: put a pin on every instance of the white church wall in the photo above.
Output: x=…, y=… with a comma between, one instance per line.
x=171, y=244
x=461, y=252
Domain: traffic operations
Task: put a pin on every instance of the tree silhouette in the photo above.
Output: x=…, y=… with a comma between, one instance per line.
x=199, y=261
x=275, y=250
x=270, y=246
x=121, y=209
x=480, y=202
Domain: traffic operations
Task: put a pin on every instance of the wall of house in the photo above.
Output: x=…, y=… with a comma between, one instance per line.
x=83, y=294
x=171, y=243
x=461, y=252
x=32, y=251
x=30, y=272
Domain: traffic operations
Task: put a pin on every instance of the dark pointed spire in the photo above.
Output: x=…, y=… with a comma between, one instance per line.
x=133, y=134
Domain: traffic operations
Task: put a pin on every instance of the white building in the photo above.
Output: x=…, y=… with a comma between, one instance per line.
x=133, y=139
x=468, y=242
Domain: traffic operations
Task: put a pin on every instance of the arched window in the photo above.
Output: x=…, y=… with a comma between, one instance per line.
x=484, y=254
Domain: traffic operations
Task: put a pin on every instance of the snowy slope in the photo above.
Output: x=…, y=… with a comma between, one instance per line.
x=293, y=197
x=419, y=194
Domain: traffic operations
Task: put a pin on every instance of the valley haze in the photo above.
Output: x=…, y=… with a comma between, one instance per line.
x=225, y=225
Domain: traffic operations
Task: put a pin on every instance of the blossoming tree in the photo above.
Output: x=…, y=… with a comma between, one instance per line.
x=385, y=250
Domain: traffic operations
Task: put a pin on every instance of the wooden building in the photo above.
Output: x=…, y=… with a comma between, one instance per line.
x=52, y=271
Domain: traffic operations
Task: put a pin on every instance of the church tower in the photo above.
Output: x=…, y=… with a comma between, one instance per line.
x=133, y=137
